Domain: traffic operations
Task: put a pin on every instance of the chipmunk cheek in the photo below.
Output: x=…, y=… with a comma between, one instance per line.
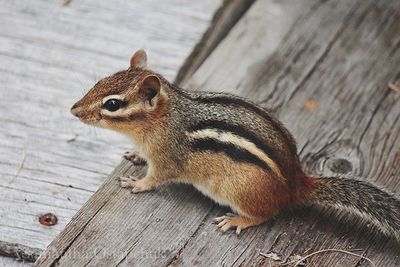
x=96, y=116
x=103, y=123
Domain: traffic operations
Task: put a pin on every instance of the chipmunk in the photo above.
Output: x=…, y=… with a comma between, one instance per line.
x=230, y=149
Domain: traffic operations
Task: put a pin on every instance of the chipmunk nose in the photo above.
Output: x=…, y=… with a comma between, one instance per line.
x=75, y=110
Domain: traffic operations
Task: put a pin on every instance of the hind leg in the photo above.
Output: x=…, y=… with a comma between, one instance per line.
x=230, y=220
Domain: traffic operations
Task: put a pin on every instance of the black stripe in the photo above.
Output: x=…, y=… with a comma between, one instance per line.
x=234, y=100
x=239, y=131
x=131, y=117
x=240, y=102
x=232, y=151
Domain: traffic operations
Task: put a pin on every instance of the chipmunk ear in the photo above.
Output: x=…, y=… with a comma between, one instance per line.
x=139, y=59
x=150, y=89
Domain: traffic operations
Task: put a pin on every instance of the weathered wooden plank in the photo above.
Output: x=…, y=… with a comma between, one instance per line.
x=12, y=262
x=147, y=220
x=51, y=54
x=223, y=21
x=281, y=55
x=341, y=56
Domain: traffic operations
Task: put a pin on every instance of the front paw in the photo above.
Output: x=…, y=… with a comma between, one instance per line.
x=135, y=158
x=134, y=183
x=127, y=181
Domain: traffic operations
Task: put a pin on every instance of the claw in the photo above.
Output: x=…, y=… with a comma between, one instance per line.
x=226, y=227
x=218, y=219
x=124, y=181
x=134, y=178
x=127, y=181
x=135, y=190
x=222, y=223
x=230, y=220
x=136, y=184
x=238, y=230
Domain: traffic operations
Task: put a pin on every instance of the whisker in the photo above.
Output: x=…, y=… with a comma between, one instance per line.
x=83, y=86
x=96, y=133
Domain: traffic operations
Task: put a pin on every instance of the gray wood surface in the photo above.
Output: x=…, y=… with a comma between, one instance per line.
x=51, y=54
x=224, y=19
x=12, y=262
x=323, y=66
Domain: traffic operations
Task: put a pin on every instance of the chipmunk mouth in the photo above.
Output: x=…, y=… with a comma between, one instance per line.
x=90, y=120
x=85, y=117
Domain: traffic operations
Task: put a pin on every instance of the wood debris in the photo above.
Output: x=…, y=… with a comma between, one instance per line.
x=311, y=105
x=394, y=87
x=271, y=255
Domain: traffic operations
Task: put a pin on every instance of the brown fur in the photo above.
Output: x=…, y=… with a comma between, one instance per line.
x=161, y=120
x=241, y=185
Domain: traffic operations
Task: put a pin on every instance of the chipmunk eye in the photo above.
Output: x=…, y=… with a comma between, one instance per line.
x=112, y=104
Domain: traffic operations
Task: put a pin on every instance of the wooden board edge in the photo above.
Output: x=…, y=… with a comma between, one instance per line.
x=227, y=15
x=80, y=220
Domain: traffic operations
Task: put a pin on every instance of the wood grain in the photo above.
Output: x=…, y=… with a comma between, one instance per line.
x=12, y=262
x=52, y=54
x=282, y=55
x=224, y=19
x=342, y=57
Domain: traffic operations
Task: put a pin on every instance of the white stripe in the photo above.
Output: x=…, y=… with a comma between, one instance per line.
x=238, y=141
x=122, y=112
x=119, y=97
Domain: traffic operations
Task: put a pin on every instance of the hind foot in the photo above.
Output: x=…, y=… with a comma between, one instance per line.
x=230, y=220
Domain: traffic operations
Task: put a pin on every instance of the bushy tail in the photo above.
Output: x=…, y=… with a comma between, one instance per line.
x=360, y=198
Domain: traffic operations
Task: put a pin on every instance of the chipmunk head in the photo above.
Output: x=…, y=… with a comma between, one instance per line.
x=126, y=101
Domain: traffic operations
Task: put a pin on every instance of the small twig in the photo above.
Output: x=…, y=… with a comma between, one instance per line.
x=287, y=263
x=333, y=250
x=394, y=87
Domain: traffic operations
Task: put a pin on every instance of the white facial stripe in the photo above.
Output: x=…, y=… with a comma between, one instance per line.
x=119, y=97
x=241, y=142
x=122, y=112
x=118, y=113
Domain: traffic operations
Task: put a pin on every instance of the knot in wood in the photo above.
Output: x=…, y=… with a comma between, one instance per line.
x=339, y=165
